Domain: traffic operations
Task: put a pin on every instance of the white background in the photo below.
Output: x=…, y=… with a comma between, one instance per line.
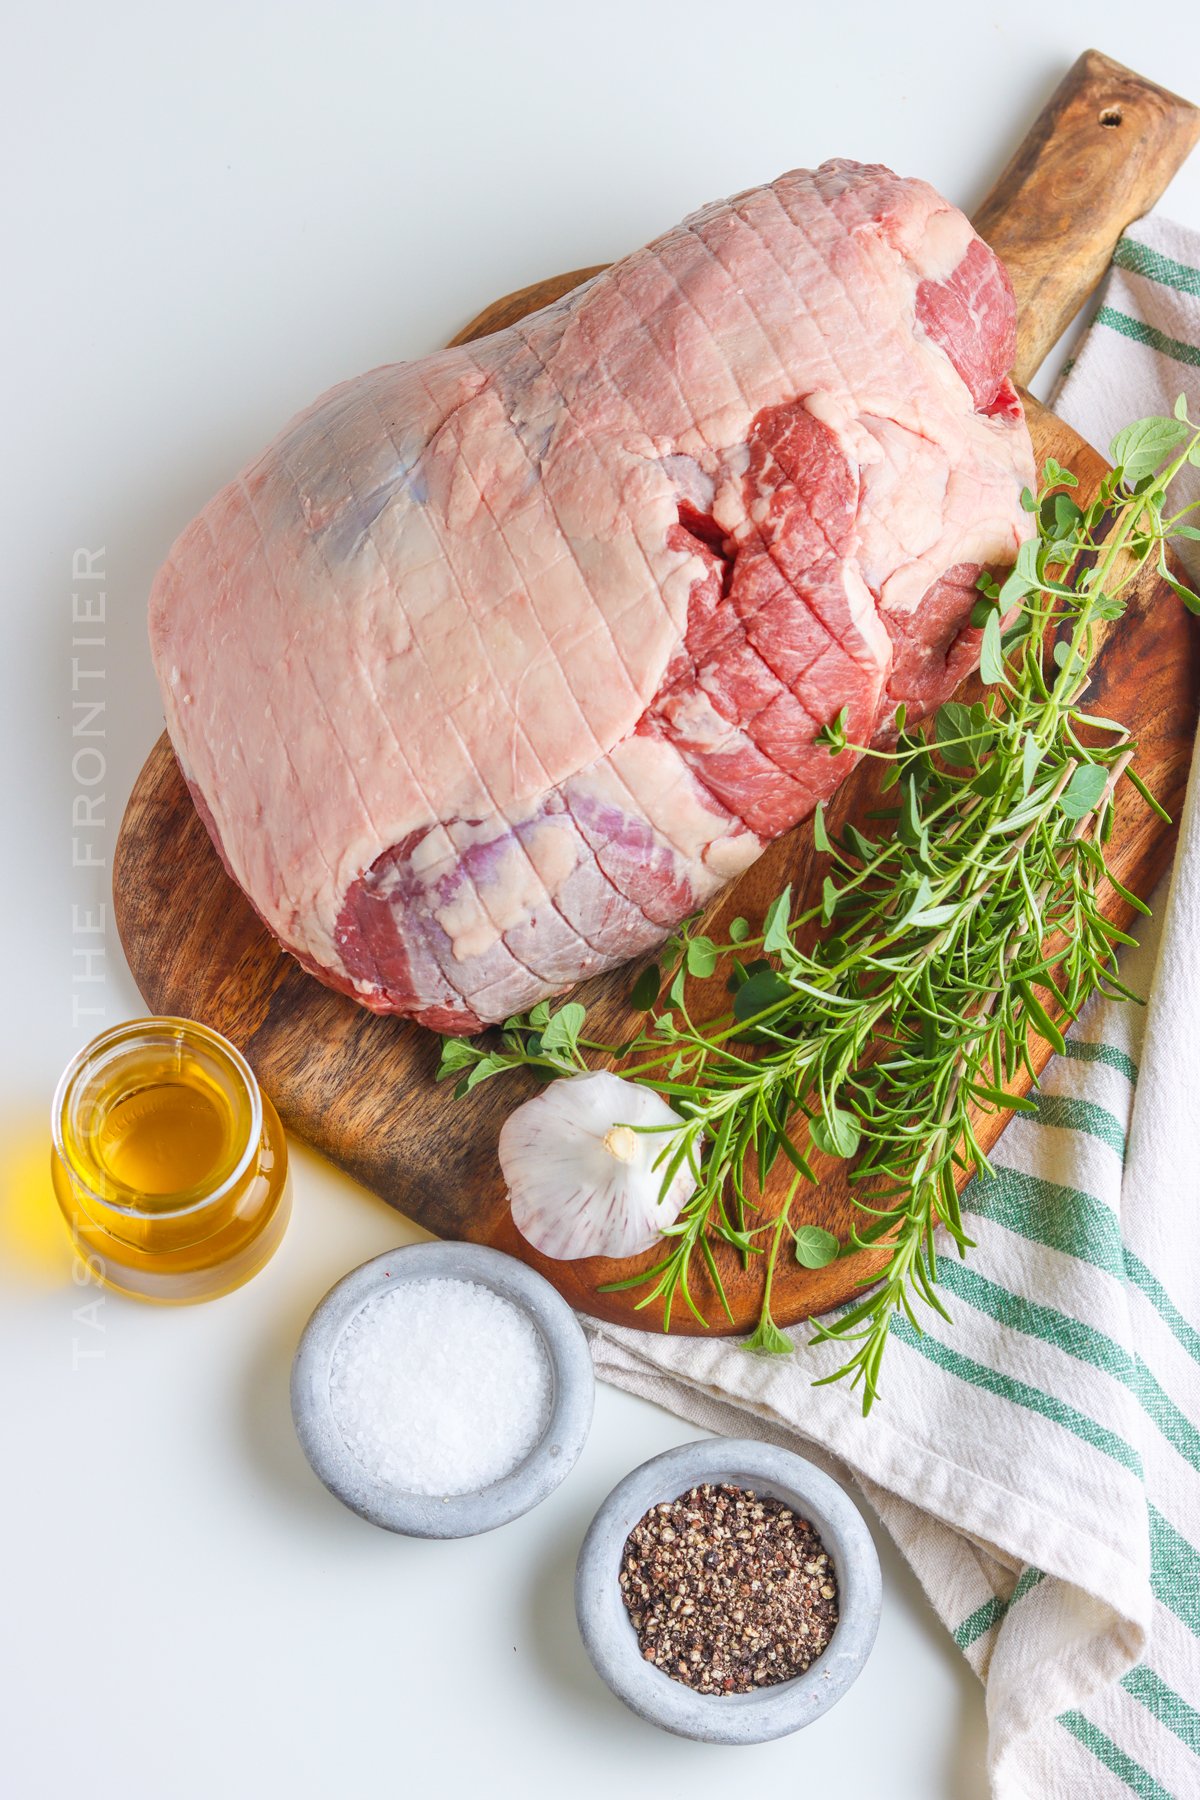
x=210, y=214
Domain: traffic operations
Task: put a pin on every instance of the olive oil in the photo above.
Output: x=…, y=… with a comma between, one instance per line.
x=169, y=1164
x=162, y=1138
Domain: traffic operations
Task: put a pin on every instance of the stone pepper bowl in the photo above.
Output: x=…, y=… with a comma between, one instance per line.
x=770, y=1712
x=458, y=1515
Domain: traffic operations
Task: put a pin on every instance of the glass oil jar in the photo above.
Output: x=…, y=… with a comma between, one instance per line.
x=169, y=1163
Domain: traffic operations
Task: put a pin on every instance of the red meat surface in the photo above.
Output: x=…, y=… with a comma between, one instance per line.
x=497, y=664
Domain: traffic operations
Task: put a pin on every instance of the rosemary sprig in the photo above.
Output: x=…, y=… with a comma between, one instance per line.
x=878, y=1022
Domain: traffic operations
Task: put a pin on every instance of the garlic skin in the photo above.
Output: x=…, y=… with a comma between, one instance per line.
x=580, y=1181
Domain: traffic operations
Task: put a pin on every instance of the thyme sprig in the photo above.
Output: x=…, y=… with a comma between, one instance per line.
x=878, y=1023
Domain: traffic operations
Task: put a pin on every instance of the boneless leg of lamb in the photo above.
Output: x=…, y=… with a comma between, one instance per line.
x=496, y=665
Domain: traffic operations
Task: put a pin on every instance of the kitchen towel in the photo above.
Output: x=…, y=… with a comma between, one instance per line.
x=1038, y=1461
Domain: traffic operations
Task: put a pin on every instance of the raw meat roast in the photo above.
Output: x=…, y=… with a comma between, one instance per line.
x=497, y=664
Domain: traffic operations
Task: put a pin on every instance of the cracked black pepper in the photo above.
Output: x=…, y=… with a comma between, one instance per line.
x=728, y=1591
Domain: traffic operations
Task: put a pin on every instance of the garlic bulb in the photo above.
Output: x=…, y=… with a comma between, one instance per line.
x=581, y=1182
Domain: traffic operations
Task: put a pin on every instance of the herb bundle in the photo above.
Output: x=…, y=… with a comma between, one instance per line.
x=876, y=1023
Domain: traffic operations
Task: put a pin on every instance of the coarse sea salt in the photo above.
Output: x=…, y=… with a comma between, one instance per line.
x=441, y=1386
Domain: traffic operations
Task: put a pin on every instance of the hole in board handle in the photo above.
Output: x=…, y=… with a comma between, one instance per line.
x=1110, y=116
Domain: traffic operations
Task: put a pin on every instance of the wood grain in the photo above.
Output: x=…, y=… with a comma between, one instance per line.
x=1099, y=155
x=518, y=305
x=361, y=1088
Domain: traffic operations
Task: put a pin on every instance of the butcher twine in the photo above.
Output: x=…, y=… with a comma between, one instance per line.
x=1038, y=1462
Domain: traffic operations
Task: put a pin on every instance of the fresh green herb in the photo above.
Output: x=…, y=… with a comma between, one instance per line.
x=875, y=1023
x=815, y=1247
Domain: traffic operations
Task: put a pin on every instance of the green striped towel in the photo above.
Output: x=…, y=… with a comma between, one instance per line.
x=1143, y=348
x=1038, y=1462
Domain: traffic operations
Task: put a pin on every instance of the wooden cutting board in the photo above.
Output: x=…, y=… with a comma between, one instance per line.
x=361, y=1089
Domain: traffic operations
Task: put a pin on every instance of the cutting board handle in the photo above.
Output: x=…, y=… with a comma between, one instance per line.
x=1099, y=155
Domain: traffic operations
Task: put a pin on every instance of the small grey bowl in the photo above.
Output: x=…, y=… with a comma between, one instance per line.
x=458, y=1515
x=611, y=1641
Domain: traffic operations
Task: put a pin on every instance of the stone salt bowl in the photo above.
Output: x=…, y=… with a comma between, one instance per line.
x=458, y=1515
x=769, y=1712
